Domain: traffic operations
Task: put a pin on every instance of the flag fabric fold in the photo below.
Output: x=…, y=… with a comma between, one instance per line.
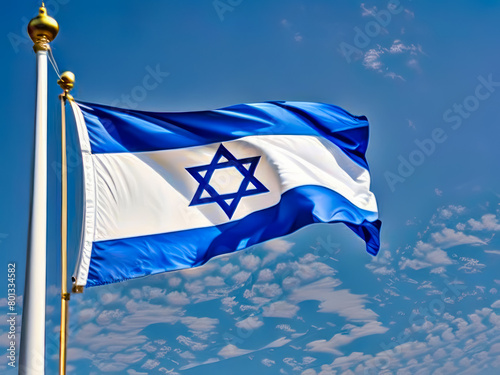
x=168, y=191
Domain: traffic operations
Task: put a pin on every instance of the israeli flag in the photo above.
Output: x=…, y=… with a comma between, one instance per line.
x=167, y=191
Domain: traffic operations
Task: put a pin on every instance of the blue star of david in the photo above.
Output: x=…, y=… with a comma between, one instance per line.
x=228, y=202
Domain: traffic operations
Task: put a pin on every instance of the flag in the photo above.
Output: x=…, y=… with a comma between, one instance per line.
x=168, y=191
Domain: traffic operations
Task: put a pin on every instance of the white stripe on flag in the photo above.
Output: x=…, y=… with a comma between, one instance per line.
x=149, y=192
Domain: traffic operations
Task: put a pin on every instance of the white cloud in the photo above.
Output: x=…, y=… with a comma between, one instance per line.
x=298, y=37
x=312, y=270
x=129, y=357
x=496, y=304
x=75, y=354
x=229, y=268
x=350, y=360
x=133, y=372
x=268, y=362
x=250, y=323
x=438, y=270
x=268, y=290
x=265, y=275
x=194, y=345
x=229, y=302
x=241, y=277
x=371, y=60
x=150, y=364
x=168, y=372
x=438, y=256
x=250, y=262
x=196, y=364
x=277, y=247
x=230, y=351
x=106, y=317
x=200, y=324
x=448, y=335
x=488, y=222
x=108, y=298
x=86, y=315
x=195, y=287
x=413, y=264
x=290, y=282
x=282, y=341
x=449, y=211
x=340, y=339
x=383, y=271
x=109, y=366
x=449, y=238
x=342, y=302
x=174, y=281
x=214, y=281
x=177, y=298
x=497, y=252
x=422, y=248
x=280, y=309
x=394, y=76
x=187, y=355
x=285, y=327
x=399, y=47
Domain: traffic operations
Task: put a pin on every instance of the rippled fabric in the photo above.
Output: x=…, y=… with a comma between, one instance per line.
x=168, y=191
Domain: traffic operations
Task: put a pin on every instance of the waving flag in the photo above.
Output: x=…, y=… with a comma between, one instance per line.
x=167, y=191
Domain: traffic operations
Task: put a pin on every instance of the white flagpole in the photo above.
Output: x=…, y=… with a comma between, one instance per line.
x=42, y=30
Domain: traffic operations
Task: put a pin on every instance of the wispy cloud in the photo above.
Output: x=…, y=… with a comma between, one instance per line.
x=449, y=238
x=373, y=58
x=341, y=302
x=230, y=351
x=366, y=12
x=340, y=339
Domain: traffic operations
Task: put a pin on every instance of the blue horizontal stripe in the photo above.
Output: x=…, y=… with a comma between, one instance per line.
x=115, y=130
x=123, y=259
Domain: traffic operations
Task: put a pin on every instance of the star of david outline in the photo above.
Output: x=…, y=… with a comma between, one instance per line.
x=233, y=198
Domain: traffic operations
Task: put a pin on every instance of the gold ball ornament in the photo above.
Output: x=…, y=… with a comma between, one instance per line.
x=42, y=29
x=67, y=81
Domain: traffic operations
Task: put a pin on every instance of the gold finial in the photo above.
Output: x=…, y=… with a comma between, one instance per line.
x=66, y=82
x=42, y=30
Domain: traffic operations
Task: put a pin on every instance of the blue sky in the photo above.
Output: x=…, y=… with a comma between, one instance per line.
x=427, y=76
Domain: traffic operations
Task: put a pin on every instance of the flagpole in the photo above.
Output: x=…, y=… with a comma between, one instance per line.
x=66, y=82
x=42, y=30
